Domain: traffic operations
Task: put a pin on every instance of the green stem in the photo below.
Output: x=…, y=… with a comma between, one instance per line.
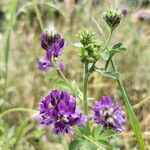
x=105, y=47
x=16, y=110
x=85, y=90
x=6, y=81
x=132, y=118
x=11, y=22
x=88, y=139
x=109, y=38
x=67, y=82
x=38, y=15
x=85, y=84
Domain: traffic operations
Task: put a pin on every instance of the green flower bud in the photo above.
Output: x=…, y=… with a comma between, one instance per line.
x=112, y=18
x=89, y=51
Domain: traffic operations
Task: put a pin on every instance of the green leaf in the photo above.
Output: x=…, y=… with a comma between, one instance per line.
x=108, y=134
x=81, y=144
x=114, y=75
x=11, y=22
x=20, y=132
x=88, y=146
x=118, y=45
x=111, y=74
x=97, y=131
x=132, y=117
x=76, y=144
x=117, y=48
x=104, y=143
x=76, y=87
x=114, y=51
x=63, y=84
x=105, y=55
x=83, y=130
x=76, y=91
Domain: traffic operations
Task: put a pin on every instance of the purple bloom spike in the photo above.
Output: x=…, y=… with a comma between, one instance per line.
x=54, y=43
x=58, y=111
x=109, y=114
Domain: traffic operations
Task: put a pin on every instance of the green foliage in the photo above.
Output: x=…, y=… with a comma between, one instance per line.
x=83, y=130
x=81, y=144
x=117, y=48
x=18, y=133
x=74, y=88
x=111, y=74
x=107, y=134
x=132, y=117
x=100, y=137
x=105, y=55
x=11, y=23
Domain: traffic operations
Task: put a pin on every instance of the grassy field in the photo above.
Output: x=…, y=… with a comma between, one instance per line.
x=22, y=85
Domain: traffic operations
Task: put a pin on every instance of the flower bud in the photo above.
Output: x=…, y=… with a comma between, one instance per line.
x=112, y=18
x=89, y=51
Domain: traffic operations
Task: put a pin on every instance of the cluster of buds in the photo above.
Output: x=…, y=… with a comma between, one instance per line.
x=112, y=18
x=89, y=51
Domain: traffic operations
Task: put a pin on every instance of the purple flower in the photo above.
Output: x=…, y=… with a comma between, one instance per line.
x=58, y=111
x=144, y=15
x=124, y=11
x=54, y=43
x=44, y=65
x=53, y=46
x=109, y=114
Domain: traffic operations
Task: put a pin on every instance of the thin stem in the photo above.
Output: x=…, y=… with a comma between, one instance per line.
x=113, y=65
x=65, y=79
x=16, y=110
x=105, y=47
x=38, y=15
x=85, y=84
x=11, y=23
x=100, y=29
x=109, y=38
x=87, y=138
x=6, y=81
x=85, y=91
x=132, y=118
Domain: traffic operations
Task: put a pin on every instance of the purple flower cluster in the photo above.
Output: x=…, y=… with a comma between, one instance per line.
x=109, y=114
x=58, y=111
x=53, y=45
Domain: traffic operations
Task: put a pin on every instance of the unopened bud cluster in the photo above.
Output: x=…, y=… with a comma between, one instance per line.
x=112, y=18
x=89, y=51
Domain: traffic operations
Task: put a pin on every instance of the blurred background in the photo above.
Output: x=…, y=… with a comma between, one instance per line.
x=22, y=85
